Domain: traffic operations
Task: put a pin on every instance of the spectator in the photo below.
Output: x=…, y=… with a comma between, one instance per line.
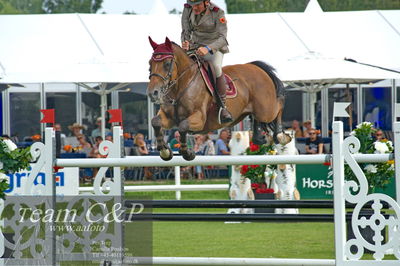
x=141, y=149
x=379, y=135
x=314, y=144
x=308, y=127
x=199, y=150
x=221, y=144
x=76, y=129
x=61, y=143
x=97, y=131
x=141, y=144
x=95, y=150
x=174, y=143
x=84, y=145
x=208, y=145
x=109, y=136
x=57, y=127
x=86, y=148
x=297, y=129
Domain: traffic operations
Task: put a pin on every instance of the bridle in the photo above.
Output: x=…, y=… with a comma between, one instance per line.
x=167, y=79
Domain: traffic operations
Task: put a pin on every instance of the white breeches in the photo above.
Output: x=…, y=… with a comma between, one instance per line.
x=216, y=61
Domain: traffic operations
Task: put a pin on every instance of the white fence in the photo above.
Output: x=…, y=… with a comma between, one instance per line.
x=344, y=151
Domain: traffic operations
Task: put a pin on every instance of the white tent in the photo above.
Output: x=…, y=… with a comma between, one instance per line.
x=158, y=8
x=99, y=48
x=114, y=48
x=312, y=72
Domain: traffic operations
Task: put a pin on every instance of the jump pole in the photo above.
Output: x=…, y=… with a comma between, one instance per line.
x=148, y=161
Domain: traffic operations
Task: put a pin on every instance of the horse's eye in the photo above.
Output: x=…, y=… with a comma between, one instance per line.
x=167, y=65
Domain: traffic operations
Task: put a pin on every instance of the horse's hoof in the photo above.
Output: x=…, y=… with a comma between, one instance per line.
x=189, y=155
x=283, y=138
x=259, y=140
x=166, y=154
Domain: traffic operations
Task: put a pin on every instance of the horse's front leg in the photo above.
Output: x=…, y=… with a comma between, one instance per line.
x=194, y=123
x=187, y=154
x=159, y=122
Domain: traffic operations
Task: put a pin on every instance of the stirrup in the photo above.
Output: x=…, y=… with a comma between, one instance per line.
x=227, y=120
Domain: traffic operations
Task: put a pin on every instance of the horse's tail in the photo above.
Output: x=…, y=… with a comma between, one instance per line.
x=274, y=125
x=279, y=87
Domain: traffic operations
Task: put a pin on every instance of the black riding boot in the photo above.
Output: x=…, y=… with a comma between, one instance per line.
x=225, y=116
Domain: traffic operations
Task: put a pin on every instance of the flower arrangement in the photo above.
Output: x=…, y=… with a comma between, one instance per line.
x=67, y=148
x=378, y=174
x=256, y=173
x=36, y=137
x=12, y=160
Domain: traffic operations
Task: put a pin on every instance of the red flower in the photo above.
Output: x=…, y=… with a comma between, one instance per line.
x=254, y=147
x=244, y=170
x=254, y=166
x=264, y=190
x=255, y=186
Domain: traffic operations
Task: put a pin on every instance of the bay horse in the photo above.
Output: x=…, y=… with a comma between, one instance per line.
x=178, y=87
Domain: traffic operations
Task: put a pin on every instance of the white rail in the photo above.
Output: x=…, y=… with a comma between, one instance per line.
x=166, y=188
x=141, y=161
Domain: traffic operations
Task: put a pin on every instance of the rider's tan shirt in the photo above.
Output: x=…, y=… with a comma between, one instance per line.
x=208, y=29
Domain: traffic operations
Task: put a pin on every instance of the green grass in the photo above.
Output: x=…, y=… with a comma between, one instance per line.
x=219, y=239
x=251, y=240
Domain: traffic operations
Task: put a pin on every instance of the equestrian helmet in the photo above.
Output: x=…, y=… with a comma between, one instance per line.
x=194, y=2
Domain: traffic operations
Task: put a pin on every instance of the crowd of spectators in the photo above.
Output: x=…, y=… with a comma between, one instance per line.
x=87, y=144
x=312, y=140
x=202, y=144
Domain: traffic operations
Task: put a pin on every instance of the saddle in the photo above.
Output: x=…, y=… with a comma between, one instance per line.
x=208, y=73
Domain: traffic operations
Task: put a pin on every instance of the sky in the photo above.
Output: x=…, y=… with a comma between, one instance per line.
x=144, y=6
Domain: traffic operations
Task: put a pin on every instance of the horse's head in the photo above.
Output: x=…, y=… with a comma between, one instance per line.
x=163, y=70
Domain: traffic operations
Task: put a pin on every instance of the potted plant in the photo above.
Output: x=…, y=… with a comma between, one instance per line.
x=378, y=174
x=260, y=176
x=12, y=160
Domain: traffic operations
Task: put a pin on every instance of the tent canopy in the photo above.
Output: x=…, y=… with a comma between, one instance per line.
x=312, y=71
x=114, y=48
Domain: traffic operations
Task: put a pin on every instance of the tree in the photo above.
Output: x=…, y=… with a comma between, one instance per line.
x=174, y=11
x=258, y=6
x=129, y=13
x=21, y=7
x=71, y=6
x=49, y=6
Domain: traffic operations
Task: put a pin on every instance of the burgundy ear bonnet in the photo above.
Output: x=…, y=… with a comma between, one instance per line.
x=161, y=51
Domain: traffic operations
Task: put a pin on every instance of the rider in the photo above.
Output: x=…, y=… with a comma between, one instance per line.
x=204, y=29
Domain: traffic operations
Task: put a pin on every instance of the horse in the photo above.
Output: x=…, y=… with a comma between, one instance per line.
x=177, y=85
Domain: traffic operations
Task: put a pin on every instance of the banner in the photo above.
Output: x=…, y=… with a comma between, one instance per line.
x=67, y=181
x=316, y=182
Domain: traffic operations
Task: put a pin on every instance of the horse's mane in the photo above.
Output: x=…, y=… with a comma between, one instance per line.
x=178, y=46
x=280, y=88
